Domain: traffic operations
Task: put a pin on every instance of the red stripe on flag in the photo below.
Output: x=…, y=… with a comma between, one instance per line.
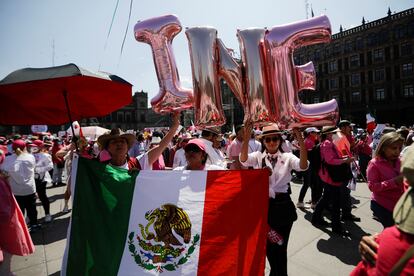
x=233, y=237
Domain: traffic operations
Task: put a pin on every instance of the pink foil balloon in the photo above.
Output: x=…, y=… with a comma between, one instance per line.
x=159, y=32
x=208, y=107
x=286, y=79
x=255, y=85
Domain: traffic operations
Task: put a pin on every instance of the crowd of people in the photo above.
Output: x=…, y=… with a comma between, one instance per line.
x=327, y=160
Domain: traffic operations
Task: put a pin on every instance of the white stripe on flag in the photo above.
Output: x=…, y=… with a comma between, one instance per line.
x=184, y=189
x=73, y=173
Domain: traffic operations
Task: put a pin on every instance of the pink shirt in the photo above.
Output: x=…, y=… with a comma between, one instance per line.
x=329, y=153
x=309, y=143
x=393, y=244
x=385, y=191
x=233, y=152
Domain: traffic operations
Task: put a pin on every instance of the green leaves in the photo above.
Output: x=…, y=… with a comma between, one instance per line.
x=137, y=259
x=191, y=250
x=182, y=261
x=196, y=238
x=131, y=247
x=169, y=267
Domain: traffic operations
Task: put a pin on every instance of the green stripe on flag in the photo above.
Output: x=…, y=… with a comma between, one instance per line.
x=100, y=218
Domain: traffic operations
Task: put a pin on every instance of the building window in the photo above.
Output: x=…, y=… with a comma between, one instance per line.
x=355, y=79
x=406, y=49
x=128, y=117
x=120, y=116
x=333, y=66
x=356, y=97
x=378, y=55
x=408, y=91
x=359, y=43
x=316, y=100
x=379, y=94
x=317, y=55
x=333, y=84
x=354, y=61
x=407, y=69
x=379, y=75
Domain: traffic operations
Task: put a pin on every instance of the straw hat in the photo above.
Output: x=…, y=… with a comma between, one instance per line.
x=329, y=129
x=104, y=139
x=404, y=209
x=270, y=130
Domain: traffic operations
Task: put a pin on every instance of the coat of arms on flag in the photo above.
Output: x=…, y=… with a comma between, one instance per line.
x=162, y=249
x=166, y=222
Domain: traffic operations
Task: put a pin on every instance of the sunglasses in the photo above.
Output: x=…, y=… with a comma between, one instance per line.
x=272, y=139
x=192, y=149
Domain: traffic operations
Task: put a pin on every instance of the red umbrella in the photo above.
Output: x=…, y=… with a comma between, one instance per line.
x=57, y=95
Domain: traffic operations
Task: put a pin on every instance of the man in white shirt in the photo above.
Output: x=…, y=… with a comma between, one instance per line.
x=20, y=168
x=179, y=156
x=208, y=135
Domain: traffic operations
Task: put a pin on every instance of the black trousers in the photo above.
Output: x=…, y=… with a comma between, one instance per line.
x=282, y=214
x=346, y=204
x=41, y=192
x=28, y=203
x=331, y=194
x=311, y=179
x=277, y=254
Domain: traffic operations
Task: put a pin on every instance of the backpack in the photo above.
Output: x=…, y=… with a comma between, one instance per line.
x=314, y=157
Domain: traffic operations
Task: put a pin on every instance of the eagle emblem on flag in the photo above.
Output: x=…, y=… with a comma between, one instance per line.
x=171, y=243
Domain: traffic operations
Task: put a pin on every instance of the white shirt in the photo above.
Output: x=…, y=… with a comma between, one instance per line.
x=254, y=145
x=179, y=158
x=213, y=157
x=43, y=165
x=281, y=176
x=21, y=173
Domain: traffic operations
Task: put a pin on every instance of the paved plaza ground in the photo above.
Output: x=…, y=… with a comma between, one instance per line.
x=312, y=251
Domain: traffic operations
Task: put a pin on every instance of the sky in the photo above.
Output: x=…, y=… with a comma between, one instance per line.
x=44, y=33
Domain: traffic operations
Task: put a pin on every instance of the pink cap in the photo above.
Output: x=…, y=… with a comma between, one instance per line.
x=3, y=152
x=198, y=142
x=18, y=144
x=37, y=143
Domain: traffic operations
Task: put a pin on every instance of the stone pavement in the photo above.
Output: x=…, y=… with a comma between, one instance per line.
x=311, y=251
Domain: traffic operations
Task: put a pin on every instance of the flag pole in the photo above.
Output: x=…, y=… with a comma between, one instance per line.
x=74, y=138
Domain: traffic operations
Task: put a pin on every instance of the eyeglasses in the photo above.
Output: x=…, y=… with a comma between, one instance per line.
x=272, y=139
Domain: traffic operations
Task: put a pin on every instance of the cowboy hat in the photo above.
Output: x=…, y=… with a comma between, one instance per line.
x=104, y=139
x=329, y=129
x=270, y=130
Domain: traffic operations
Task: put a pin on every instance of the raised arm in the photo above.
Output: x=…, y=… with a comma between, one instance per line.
x=154, y=153
x=303, y=155
x=245, y=143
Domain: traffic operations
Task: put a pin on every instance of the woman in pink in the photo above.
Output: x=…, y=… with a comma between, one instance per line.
x=384, y=178
x=331, y=190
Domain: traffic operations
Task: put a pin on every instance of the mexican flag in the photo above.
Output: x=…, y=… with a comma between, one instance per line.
x=166, y=222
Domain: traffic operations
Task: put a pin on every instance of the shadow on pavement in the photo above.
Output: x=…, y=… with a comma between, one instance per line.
x=52, y=232
x=345, y=248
